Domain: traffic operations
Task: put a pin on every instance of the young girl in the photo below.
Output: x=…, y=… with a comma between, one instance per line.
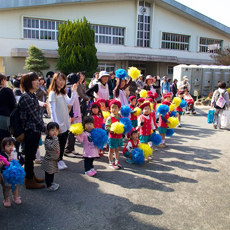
x=131, y=145
x=50, y=161
x=178, y=109
x=133, y=118
x=90, y=150
x=115, y=140
x=59, y=100
x=8, y=145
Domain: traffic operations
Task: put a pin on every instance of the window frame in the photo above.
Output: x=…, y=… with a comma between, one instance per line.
x=205, y=45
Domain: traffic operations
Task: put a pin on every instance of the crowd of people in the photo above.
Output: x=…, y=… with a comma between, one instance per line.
x=67, y=102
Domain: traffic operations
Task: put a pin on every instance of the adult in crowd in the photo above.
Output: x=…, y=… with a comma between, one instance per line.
x=94, y=80
x=221, y=91
x=101, y=89
x=49, y=76
x=174, y=87
x=184, y=84
x=133, y=89
x=81, y=90
x=17, y=91
x=151, y=84
x=188, y=98
x=7, y=105
x=9, y=83
x=41, y=94
x=33, y=125
x=112, y=83
x=165, y=86
x=140, y=83
x=59, y=101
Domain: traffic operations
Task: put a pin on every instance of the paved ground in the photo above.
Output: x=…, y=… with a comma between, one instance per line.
x=186, y=186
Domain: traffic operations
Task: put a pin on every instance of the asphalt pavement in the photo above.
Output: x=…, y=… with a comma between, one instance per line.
x=186, y=186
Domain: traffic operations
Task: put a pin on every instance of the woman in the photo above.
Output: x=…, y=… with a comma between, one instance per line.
x=165, y=86
x=174, y=87
x=112, y=83
x=218, y=109
x=94, y=80
x=7, y=105
x=101, y=89
x=59, y=101
x=9, y=83
x=140, y=83
x=151, y=84
x=81, y=90
x=41, y=94
x=33, y=125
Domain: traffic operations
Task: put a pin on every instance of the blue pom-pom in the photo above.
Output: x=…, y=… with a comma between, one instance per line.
x=103, y=126
x=14, y=174
x=169, y=133
x=121, y=73
x=127, y=124
x=172, y=114
x=99, y=137
x=125, y=110
x=156, y=138
x=163, y=109
x=138, y=156
x=183, y=103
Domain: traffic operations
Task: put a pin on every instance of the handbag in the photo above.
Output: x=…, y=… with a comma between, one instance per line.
x=225, y=119
x=210, y=117
x=220, y=102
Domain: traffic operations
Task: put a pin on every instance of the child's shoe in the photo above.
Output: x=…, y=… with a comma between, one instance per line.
x=162, y=145
x=55, y=184
x=16, y=199
x=113, y=166
x=52, y=188
x=90, y=173
x=101, y=153
x=117, y=163
x=7, y=203
x=94, y=171
x=64, y=165
x=60, y=166
x=130, y=161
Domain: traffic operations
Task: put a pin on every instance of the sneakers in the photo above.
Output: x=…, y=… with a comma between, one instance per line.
x=55, y=184
x=91, y=172
x=129, y=160
x=62, y=165
x=94, y=171
x=113, y=166
x=117, y=163
x=52, y=188
x=16, y=199
x=72, y=155
x=7, y=203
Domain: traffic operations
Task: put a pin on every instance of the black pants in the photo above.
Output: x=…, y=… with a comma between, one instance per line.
x=3, y=134
x=31, y=145
x=62, y=137
x=69, y=147
x=49, y=179
x=88, y=163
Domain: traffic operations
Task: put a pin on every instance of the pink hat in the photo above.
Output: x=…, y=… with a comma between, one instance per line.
x=149, y=77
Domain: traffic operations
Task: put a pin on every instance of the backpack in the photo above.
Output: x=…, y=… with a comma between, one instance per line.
x=16, y=128
x=219, y=97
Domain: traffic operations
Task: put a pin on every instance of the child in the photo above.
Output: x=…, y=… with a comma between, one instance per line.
x=50, y=161
x=131, y=145
x=90, y=150
x=167, y=97
x=98, y=119
x=140, y=101
x=163, y=125
x=8, y=145
x=115, y=140
x=102, y=103
x=178, y=109
x=133, y=118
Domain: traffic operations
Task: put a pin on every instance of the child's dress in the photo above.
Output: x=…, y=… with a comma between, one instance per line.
x=98, y=121
x=133, y=118
x=50, y=161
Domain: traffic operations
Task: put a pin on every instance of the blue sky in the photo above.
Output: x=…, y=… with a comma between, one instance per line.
x=215, y=9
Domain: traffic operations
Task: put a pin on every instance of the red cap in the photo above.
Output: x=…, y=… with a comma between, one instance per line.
x=149, y=93
x=130, y=133
x=146, y=103
x=167, y=95
x=179, y=92
x=96, y=103
x=149, y=99
x=115, y=102
x=166, y=103
x=155, y=95
x=101, y=100
x=132, y=97
x=140, y=100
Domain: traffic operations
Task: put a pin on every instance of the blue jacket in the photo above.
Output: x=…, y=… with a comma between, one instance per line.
x=165, y=86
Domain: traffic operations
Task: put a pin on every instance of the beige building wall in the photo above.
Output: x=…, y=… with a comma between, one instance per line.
x=2, y=67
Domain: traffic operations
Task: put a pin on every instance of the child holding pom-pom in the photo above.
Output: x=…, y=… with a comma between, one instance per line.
x=115, y=140
x=133, y=118
x=178, y=109
x=90, y=150
x=8, y=146
x=131, y=145
x=50, y=161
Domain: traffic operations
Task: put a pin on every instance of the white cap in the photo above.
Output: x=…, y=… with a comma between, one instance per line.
x=185, y=78
x=103, y=73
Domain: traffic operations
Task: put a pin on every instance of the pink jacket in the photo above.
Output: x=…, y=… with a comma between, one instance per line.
x=90, y=150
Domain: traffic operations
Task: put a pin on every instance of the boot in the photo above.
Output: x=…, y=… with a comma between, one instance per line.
x=38, y=180
x=32, y=184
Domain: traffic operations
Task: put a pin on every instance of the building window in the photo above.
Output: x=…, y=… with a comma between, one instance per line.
x=143, y=27
x=109, y=35
x=208, y=45
x=40, y=29
x=175, y=41
x=170, y=70
x=106, y=67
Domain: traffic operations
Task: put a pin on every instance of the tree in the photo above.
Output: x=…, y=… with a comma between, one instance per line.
x=76, y=47
x=222, y=57
x=36, y=61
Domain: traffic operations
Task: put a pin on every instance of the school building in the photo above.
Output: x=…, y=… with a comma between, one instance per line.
x=153, y=35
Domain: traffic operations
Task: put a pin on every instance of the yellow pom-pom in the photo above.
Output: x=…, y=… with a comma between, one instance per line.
x=151, y=106
x=173, y=122
x=76, y=129
x=133, y=72
x=151, y=131
x=146, y=150
x=105, y=114
x=117, y=128
x=172, y=107
x=137, y=111
x=143, y=93
x=177, y=101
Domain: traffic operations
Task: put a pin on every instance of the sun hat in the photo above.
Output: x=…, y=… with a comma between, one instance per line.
x=103, y=73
